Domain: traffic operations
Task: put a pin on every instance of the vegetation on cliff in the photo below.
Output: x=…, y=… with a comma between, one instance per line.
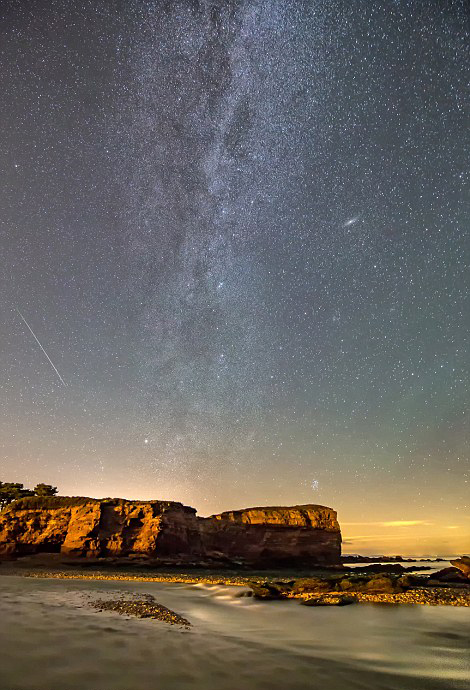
x=14, y=491
x=14, y=496
x=49, y=502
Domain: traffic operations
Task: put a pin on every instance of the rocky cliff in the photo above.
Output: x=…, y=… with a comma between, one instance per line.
x=85, y=527
x=297, y=535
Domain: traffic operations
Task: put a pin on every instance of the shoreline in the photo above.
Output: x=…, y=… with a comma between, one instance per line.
x=431, y=596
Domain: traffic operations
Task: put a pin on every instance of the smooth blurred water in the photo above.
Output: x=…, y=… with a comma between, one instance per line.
x=50, y=639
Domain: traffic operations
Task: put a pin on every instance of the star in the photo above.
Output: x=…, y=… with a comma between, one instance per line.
x=249, y=252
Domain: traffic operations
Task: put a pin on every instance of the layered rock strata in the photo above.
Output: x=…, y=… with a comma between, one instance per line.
x=299, y=535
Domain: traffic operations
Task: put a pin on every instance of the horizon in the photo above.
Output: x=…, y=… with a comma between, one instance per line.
x=385, y=543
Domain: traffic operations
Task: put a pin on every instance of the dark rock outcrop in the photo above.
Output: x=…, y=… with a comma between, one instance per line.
x=463, y=564
x=301, y=536
x=351, y=558
x=335, y=584
x=329, y=600
x=395, y=568
x=449, y=575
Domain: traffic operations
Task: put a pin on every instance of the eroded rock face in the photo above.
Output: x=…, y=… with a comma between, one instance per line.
x=304, y=535
x=299, y=535
x=32, y=531
x=96, y=528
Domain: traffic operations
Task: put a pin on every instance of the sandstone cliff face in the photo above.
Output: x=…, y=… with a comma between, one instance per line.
x=298, y=535
x=304, y=535
x=96, y=528
x=310, y=515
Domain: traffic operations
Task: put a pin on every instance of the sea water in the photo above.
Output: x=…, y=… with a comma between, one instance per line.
x=51, y=639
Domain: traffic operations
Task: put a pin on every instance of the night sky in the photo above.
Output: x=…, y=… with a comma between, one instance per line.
x=239, y=230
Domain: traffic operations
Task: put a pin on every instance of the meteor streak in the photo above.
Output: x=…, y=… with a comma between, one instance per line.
x=35, y=338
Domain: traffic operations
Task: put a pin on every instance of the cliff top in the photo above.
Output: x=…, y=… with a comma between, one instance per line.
x=301, y=506
x=295, y=514
x=307, y=515
x=57, y=502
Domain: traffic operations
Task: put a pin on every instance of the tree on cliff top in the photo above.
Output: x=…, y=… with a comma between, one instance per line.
x=45, y=490
x=12, y=491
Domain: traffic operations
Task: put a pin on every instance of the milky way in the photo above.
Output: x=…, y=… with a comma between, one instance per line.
x=243, y=226
x=216, y=150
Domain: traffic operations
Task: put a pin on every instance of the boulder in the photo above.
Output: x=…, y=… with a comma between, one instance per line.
x=268, y=590
x=447, y=575
x=406, y=582
x=377, y=583
x=346, y=584
x=329, y=600
x=7, y=550
x=381, y=584
x=463, y=564
x=313, y=584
